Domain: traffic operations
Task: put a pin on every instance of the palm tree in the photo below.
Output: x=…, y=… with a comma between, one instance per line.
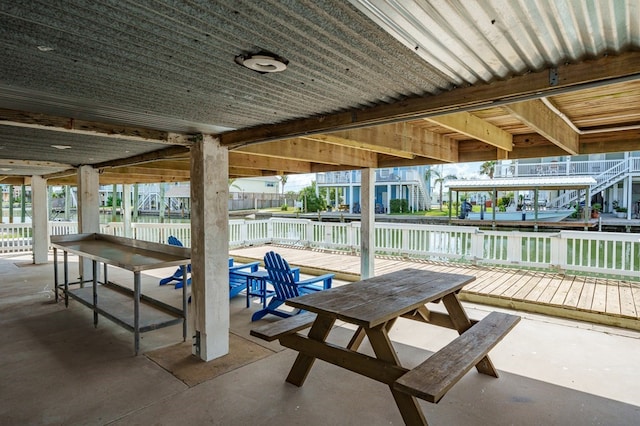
x=439, y=179
x=232, y=185
x=488, y=168
x=283, y=181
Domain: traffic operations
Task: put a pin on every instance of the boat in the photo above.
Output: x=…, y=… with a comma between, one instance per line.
x=547, y=215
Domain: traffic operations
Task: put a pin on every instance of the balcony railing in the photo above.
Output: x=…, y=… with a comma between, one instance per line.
x=382, y=176
x=606, y=253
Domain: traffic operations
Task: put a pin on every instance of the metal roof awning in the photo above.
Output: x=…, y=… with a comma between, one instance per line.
x=558, y=182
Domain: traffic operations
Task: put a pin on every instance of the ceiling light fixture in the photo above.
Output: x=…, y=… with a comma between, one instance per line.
x=262, y=62
x=61, y=146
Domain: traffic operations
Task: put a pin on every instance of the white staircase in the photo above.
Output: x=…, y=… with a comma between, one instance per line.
x=611, y=176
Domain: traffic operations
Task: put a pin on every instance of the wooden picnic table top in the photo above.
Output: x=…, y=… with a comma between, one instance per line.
x=376, y=300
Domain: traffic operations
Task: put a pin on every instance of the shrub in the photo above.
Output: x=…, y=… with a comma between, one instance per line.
x=399, y=206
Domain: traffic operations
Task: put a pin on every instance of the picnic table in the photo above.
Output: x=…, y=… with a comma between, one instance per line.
x=374, y=305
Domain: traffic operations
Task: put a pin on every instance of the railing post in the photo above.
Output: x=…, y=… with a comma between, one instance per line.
x=558, y=252
x=514, y=248
x=328, y=234
x=404, y=251
x=477, y=246
x=244, y=232
x=270, y=230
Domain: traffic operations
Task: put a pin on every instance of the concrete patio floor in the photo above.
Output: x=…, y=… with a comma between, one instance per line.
x=58, y=369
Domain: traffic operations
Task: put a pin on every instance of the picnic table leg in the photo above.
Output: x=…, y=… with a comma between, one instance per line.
x=303, y=363
x=462, y=323
x=359, y=335
x=408, y=405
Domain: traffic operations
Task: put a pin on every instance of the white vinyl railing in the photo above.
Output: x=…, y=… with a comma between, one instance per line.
x=606, y=253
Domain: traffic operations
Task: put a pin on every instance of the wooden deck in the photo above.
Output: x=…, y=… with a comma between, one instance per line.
x=597, y=300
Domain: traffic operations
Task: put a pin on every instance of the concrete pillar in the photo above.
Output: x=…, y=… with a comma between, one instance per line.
x=135, y=202
x=88, y=211
x=10, y=203
x=368, y=219
x=39, y=219
x=210, y=248
x=351, y=199
x=629, y=196
x=67, y=202
x=114, y=202
x=126, y=210
x=23, y=204
x=161, y=202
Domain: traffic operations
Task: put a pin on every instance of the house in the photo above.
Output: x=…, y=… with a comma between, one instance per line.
x=397, y=183
x=617, y=177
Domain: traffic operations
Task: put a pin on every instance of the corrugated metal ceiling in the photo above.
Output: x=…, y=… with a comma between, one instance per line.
x=176, y=59
x=483, y=41
x=169, y=64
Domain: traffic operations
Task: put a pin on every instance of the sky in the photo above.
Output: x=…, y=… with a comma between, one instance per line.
x=460, y=170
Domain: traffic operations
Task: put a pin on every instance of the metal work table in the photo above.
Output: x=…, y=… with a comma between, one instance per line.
x=109, y=299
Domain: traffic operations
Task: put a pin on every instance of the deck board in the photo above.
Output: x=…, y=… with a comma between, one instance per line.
x=539, y=288
x=562, y=291
x=600, y=297
x=573, y=295
x=613, y=298
x=550, y=290
x=585, y=302
x=605, y=301
x=627, y=305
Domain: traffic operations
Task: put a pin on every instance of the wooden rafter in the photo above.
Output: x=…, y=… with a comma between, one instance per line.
x=476, y=128
x=314, y=151
x=249, y=161
x=540, y=118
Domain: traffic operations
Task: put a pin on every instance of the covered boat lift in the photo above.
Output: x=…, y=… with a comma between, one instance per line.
x=536, y=184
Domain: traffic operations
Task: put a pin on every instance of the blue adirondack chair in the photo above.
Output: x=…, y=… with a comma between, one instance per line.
x=287, y=285
x=177, y=275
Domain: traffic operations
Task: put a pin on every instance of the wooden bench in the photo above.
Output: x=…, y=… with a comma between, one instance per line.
x=275, y=330
x=433, y=378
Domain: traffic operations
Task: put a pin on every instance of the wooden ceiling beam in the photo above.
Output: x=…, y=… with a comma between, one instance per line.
x=568, y=77
x=402, y=140
x=315, y=152
x=245, y=160
x=619, y=141
x=9, y=163
x=541, y=119
x=12, y=180
x=475, y=128
x=403, y=162
x=116, y=178
x=54, y=123
x=355, y=139
x=161, y=154
x=147, y=171
x=246, y=172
